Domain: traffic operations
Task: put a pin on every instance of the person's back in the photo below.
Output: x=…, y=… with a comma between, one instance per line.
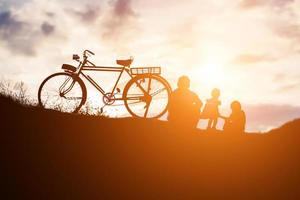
x=184, y=105
x=237, y=120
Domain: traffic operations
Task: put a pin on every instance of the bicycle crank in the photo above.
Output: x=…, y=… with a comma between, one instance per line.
x=108, y=98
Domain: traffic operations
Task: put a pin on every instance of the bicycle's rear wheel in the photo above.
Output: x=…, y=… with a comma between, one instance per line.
x=147, y=96
x=63, y=92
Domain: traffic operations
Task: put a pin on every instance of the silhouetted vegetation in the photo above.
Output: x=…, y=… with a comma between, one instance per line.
x=17, y=91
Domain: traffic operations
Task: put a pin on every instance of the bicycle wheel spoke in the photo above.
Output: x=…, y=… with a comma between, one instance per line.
x=148, y=103
x=149, y=85
x=134, y=98
x=158, y=91
x=73, y=98
x=147, y=109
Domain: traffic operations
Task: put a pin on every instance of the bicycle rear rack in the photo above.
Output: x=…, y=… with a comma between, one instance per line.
x=145, y=70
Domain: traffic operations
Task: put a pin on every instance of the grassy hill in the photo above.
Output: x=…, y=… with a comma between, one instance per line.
x=51, y=155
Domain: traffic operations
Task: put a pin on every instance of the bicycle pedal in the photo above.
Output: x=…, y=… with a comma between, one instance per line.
x=118, y=90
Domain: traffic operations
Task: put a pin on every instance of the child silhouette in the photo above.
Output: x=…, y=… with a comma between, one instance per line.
x=237, y=119
x=211, y=109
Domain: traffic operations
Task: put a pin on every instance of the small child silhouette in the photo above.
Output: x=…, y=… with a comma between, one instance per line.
x=237, y=119
x=211, y=109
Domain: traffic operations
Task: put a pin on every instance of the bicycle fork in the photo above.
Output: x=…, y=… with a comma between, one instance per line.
x=62, y=90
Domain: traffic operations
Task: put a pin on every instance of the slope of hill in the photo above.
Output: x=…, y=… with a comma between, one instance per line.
x=51, y=155
x=290, y=127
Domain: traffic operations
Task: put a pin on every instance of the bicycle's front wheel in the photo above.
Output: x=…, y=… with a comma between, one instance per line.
x=147, y=96
x=63, y=92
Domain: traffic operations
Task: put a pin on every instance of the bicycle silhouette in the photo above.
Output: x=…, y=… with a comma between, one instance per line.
x=145, y=95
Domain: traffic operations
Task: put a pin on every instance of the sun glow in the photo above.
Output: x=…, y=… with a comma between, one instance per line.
x=212, y=74
x=211, y=68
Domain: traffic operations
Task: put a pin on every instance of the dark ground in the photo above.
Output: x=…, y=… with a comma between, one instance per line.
x=51, y=155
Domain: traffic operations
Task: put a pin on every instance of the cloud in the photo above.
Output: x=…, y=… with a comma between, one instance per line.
x=289, y=87
x=50, y=14
x=9, y=22
x=280, y=3
x=20, y=36
x=6, y=4
x=247, y=59
x=89, y=15
x=267, y=116
x=123, y=8
x=288, y=30
x=280, y=77
x=183, y=35
x=14, y=34
x=47, y=28
x=251, y=4
x=287, y=82
x=119, y=19
x=22, y=31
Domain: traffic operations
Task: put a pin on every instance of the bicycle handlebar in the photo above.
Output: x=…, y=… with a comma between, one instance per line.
x=88, y=51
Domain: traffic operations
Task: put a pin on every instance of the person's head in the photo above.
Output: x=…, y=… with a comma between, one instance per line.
x=236, y=106
x=215, y=93
x=183, y=82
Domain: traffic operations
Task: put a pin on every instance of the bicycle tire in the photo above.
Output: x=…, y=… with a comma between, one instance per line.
x=134, y=81
x=74, y=78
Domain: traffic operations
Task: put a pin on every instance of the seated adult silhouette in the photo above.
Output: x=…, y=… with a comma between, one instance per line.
x=237, y=120
x=184, y=105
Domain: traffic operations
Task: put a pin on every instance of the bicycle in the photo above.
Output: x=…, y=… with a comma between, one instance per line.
x=146, y=94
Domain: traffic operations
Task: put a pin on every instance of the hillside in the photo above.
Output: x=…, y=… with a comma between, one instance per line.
x=51, y=155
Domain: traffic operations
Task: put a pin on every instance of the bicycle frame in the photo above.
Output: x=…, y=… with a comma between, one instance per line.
x=93, y=67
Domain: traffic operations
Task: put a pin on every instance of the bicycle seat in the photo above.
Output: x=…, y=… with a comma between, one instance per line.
x=124, y=63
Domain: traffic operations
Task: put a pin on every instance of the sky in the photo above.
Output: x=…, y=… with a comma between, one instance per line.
x=249, y=49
